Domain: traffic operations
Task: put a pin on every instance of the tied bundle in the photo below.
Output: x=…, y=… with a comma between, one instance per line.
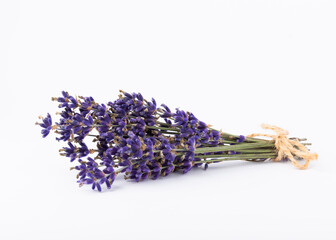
x=135, y=137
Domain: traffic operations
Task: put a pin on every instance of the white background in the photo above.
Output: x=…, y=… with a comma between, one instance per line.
x=235, y=64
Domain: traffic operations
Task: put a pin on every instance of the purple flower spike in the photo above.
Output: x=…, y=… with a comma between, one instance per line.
x=46, y=125
x=241, y=139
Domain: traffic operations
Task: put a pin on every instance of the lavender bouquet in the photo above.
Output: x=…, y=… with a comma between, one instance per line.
x=135, y=137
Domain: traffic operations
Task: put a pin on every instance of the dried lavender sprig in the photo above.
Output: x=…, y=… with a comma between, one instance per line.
x=132, y=140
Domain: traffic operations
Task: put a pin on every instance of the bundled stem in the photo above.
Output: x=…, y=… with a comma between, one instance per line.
x=136, y=137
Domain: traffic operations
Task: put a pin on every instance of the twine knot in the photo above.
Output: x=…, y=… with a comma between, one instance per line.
x=287, y=148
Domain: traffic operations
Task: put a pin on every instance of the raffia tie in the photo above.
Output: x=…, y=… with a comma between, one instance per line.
x=287, y=147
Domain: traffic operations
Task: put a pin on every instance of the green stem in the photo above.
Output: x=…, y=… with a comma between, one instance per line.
x=237, y=157
x=256, y=151
x=237, y=147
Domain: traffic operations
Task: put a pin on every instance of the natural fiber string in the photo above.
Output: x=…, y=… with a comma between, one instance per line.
x=287, y=147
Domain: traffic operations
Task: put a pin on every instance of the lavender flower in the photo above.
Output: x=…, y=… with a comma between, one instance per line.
x=135, y=137
x=46, y=125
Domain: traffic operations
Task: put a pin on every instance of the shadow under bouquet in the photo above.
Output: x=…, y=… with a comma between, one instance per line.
x=137, y=138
